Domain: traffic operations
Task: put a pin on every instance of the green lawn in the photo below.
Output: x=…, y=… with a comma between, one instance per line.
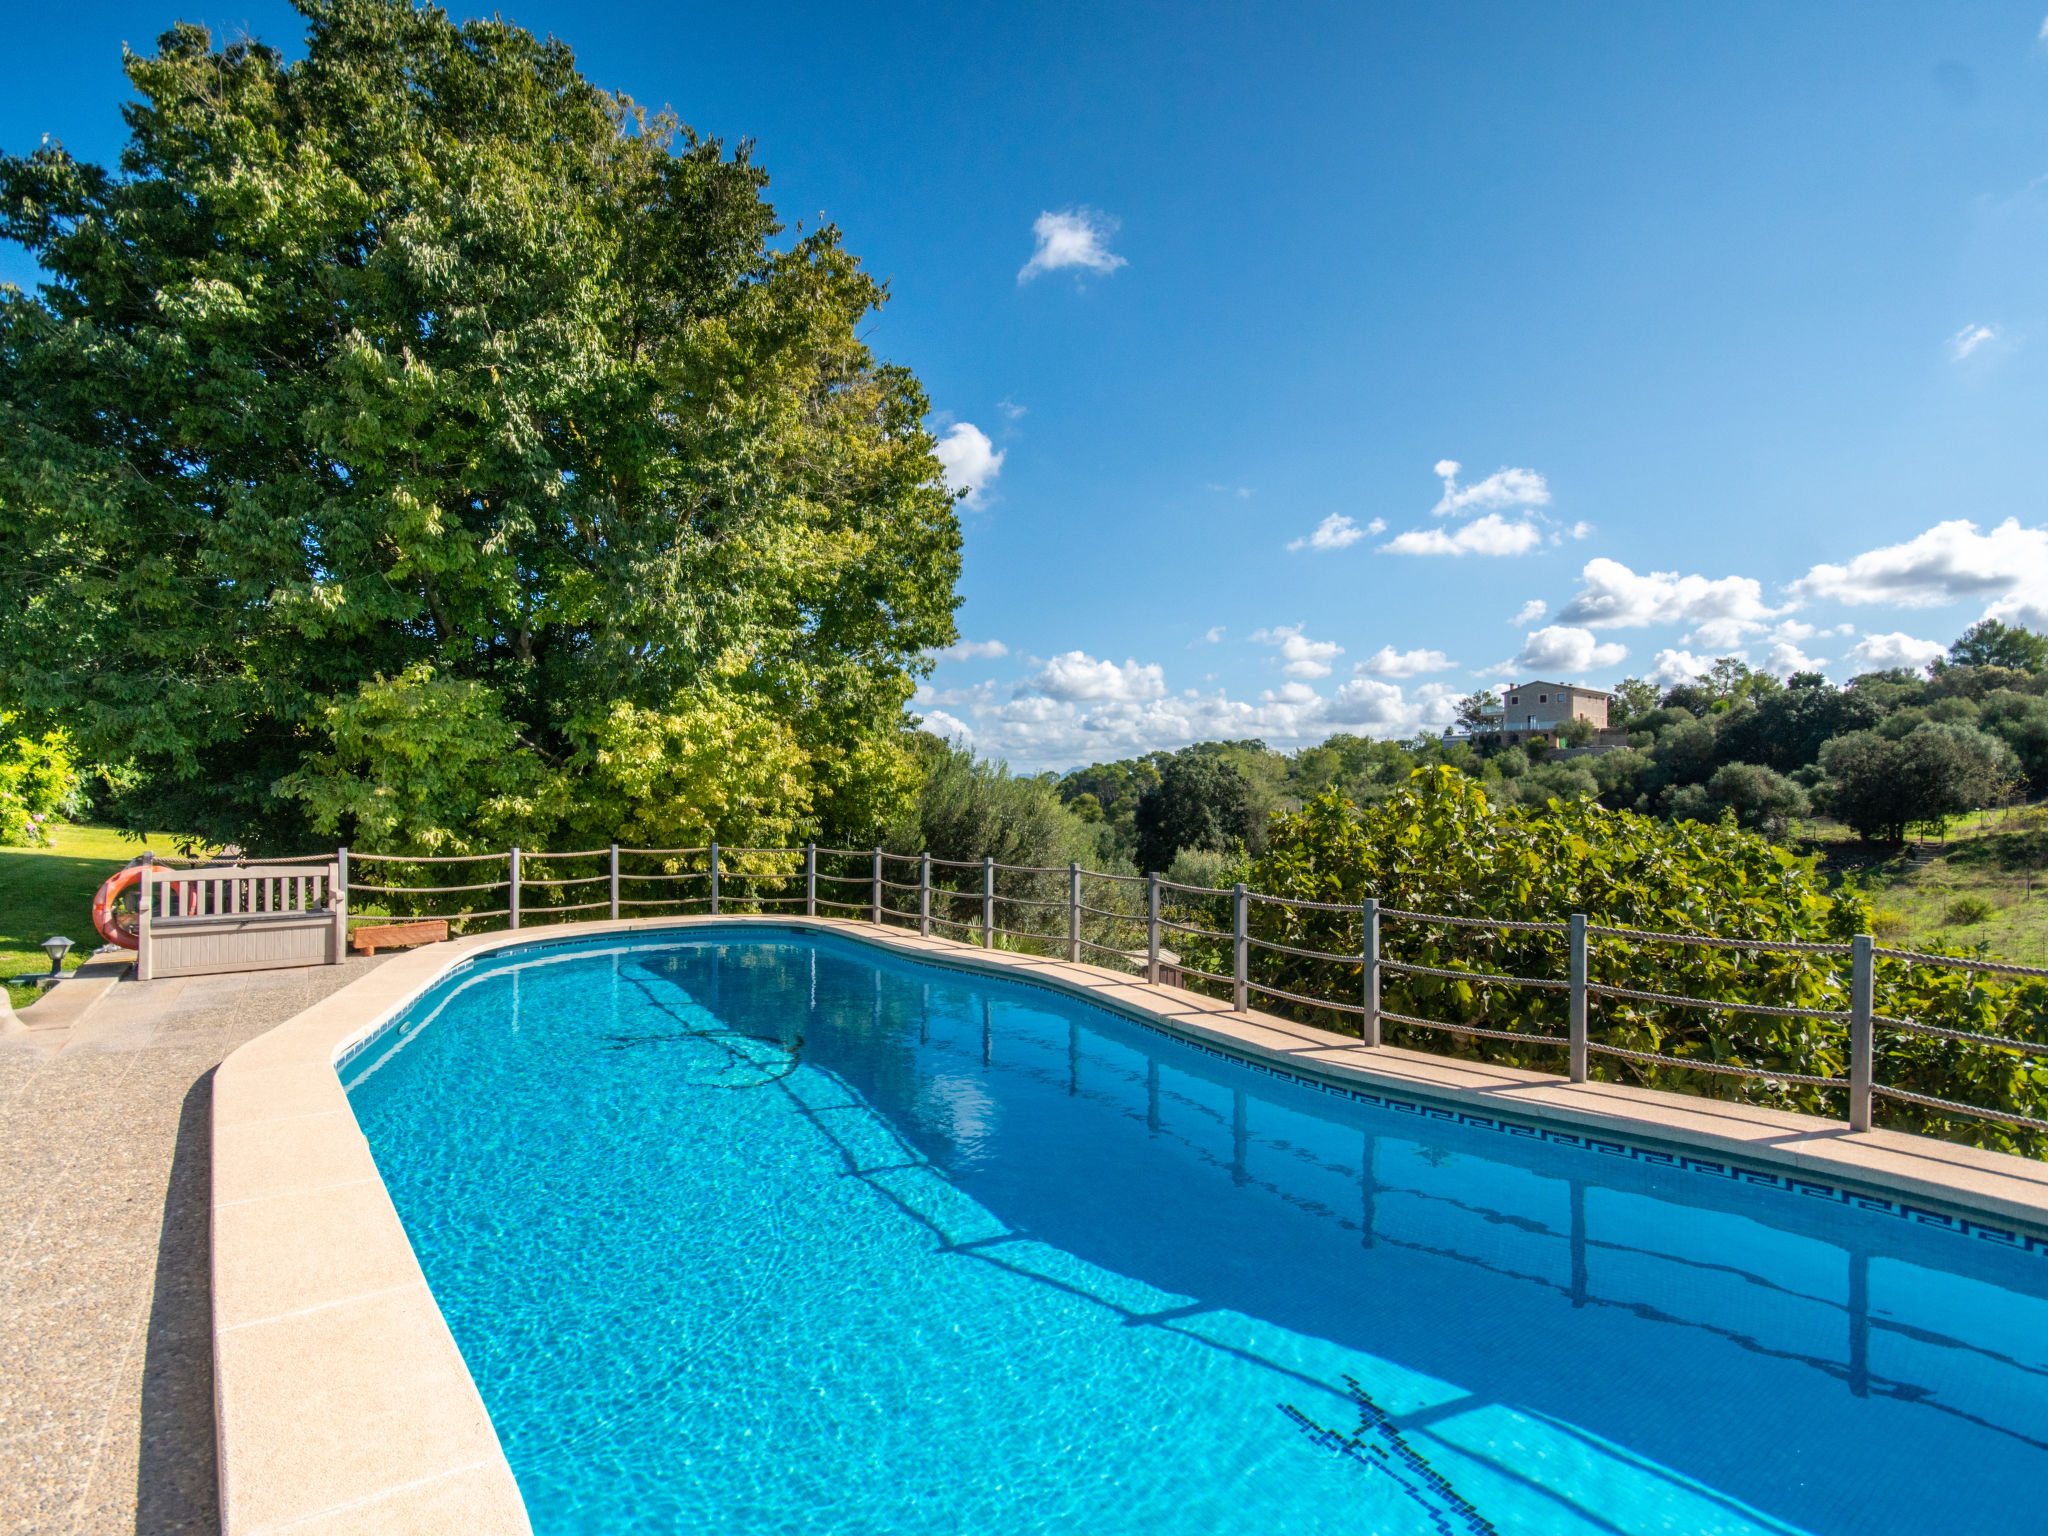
x=2000, y=857
x=49, y=890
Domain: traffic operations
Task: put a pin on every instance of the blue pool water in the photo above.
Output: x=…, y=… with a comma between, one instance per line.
x=780, y=1233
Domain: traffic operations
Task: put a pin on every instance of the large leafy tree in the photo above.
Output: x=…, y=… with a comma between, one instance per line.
x=418, y=438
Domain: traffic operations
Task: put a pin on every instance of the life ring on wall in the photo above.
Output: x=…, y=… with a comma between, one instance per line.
x=116, y=924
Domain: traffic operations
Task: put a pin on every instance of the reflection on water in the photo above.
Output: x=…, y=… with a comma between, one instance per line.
x=1001, y=1261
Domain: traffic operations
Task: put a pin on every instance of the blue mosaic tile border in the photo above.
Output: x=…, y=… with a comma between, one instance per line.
x=1962, y=1226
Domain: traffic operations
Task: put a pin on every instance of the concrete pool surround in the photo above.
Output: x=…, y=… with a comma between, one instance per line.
x=343, y=1404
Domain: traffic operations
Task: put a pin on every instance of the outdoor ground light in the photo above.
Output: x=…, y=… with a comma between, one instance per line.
x=56, y=946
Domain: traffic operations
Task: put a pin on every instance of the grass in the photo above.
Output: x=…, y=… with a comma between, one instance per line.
x=50, y=890
x=1998, y=861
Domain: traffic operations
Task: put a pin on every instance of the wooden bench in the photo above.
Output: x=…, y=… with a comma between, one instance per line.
x=428, y=930
x=237, y=917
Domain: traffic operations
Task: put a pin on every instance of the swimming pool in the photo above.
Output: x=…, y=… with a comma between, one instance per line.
x=782, y=1232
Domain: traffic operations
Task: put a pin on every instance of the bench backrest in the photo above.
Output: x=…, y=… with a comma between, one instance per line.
x=241, y=890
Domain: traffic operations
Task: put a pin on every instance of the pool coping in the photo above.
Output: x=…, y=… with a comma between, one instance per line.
x=342, y=1403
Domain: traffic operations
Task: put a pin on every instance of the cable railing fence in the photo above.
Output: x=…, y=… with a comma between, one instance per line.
x=1780, y=1016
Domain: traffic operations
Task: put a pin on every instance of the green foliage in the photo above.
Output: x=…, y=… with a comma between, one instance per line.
x=1881, y=785
x=1577, y=731
x=423, y=375
x=1634, y=697
x=1965, y=910
x=1992, y=644
x=1201, y=801
x=38, y=783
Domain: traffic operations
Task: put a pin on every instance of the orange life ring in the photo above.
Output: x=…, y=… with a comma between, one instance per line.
x=116, y=927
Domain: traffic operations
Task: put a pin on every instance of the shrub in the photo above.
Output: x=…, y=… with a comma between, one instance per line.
x=1889, y=925
x=1439, y=846
x=1968, y=909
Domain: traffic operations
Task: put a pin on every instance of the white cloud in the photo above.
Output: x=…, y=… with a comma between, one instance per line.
x=1075, y=675
x=1580, y=530
x=1786, y=658
x=1488, y=535
x=1563, y=649
x=1530, y=612
x=1304, y=657
x=939, y=723
x=1502, y=488
x=1011, y=409
x=1211, y=636
x=1333, y=532
x=1673, y=667
x=1969, y=339
x=1950, y=563
x=1076, y=238
x=1388, y=662
x=1879, y=653
x=971, y=461
x=973, y=650
x=1034, y=730
x=1723, y=612
x=2042, y=35
x=1377, y=526
x=977, y=696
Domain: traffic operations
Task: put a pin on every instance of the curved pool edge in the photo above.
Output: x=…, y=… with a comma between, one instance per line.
x=342, y=1402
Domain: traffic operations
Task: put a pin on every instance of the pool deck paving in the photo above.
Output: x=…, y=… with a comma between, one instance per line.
x=106, y=1329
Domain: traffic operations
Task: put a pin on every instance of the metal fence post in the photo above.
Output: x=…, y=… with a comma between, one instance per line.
x=1152, y=927
x=988, y=901
x=337, y=901
x=924, y=893
x=1862, y=1030
x=512, y=884
x=878, y=889
x=615, y=882
x=714, y=879
x=1369, y=919
x=1579, y=1050
x=1074, y=911
x=810, y=879
x=1241, y=946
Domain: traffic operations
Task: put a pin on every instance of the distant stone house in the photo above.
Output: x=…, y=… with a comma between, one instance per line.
x=1537, y=711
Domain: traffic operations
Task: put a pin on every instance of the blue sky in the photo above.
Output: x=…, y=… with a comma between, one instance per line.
x=1732, y=319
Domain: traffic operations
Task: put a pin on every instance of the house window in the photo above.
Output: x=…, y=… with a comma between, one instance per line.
x=1514, y=698
x=1542, y=698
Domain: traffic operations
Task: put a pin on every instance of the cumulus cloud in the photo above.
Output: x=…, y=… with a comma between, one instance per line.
x=971, y=461
x=1388, y=662
x=1879, y=653
x=1680, y=667
x=973, y=650
x=1561, y=648
x=1950, y=563
x=1377, y=526
x=1075, y=675
x=1722, y=612
x=1530, y=612
x=1334, y=532
x=1502, y=488
x=1122, y=715
x=928, y=697
x=941, y=724
x=1785, y=658
x=1077, y=238
x=1210, y=636
x=1488, y=535
x=1969, y=339
x=1303, y=657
